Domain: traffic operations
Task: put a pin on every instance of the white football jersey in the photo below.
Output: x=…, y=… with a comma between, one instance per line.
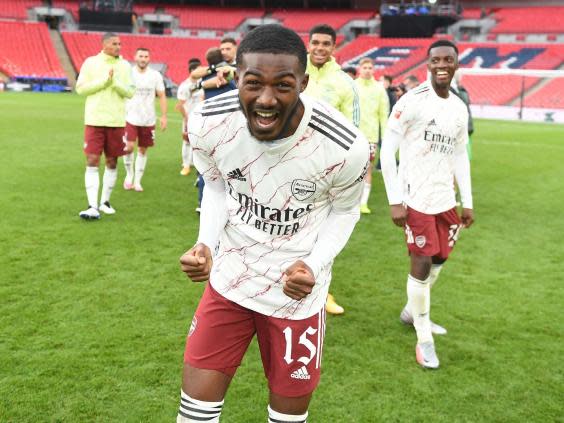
x=278, y=195
x=432, y=128
x=191, y=97
x=140, y=110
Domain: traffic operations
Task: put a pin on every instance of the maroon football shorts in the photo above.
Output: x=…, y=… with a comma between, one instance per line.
x=145, y=134
x=432, y=235
x=110, y=140
x=291, y=350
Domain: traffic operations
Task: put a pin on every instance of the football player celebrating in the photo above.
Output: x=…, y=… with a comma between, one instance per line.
x=429, y=125
x=283, y=177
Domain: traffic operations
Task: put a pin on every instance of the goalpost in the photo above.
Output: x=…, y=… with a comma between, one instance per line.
x=515, y=94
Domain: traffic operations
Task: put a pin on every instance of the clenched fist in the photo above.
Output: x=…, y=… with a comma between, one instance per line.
x=298, y=280
x=197, y=263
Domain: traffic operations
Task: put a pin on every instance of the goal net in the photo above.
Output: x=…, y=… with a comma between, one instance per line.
x=515, y=94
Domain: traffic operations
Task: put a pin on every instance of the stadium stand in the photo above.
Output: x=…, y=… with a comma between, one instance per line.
x=143, y=8
x=475, y=13
x=302, y=20
x=392, y=56
x=26, y=50
x=172, y=51
x=497, y=89
x=548, y=96
x=213, y=17
x=200, y=17
x=17, y=9
x=402, y=57
x=529, y=20
x=70, y=5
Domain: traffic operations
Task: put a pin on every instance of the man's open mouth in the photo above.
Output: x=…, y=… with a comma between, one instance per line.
x=266, y=120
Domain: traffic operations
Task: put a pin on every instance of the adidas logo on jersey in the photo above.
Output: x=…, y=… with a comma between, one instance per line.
x=432, y=123
x=301, y=373
x=236, y=174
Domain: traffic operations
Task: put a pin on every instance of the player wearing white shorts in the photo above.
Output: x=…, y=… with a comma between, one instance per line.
x=189, y=96
x=429, y=125
x=283, y=176
x=141, y=117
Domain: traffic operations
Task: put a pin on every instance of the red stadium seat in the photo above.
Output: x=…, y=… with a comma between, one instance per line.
x=212, y=18
x=474, y=13
x=303, y=20
x=548, y=96
x=27, y=50
x=530, y=20
x=497, y=89
x=172, y=51
x=391, y=55
x=401, y=57
x=17, y=9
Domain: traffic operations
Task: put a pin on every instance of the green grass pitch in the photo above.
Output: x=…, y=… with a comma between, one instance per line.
x=93, y=315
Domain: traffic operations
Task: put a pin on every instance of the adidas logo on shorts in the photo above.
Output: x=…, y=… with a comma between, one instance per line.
x=301, y=373
x=236, y=174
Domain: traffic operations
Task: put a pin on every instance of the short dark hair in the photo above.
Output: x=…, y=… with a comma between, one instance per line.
x=350, y=69
x=108, y=35
x=324, y=29
x=388, y=78
x=442, y=43
x=193, y=64
x=142, y=49
x=213, y=56
x=274, y=39
x=412, y=78
x=228, y=40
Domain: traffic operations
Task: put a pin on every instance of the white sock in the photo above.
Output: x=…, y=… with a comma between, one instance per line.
x=92, y=184
x=186, y=154
x=140, y=164
x=128, y=162
x=276, y=417
x=365, y=193
x=195, y=411
x=109, y=180
x=434, y=273
x=419, y=304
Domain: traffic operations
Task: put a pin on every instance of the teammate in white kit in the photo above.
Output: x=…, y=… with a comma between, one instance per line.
x=189, y=96
x=141, y=118
x=429, y=126
x=283, y=177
